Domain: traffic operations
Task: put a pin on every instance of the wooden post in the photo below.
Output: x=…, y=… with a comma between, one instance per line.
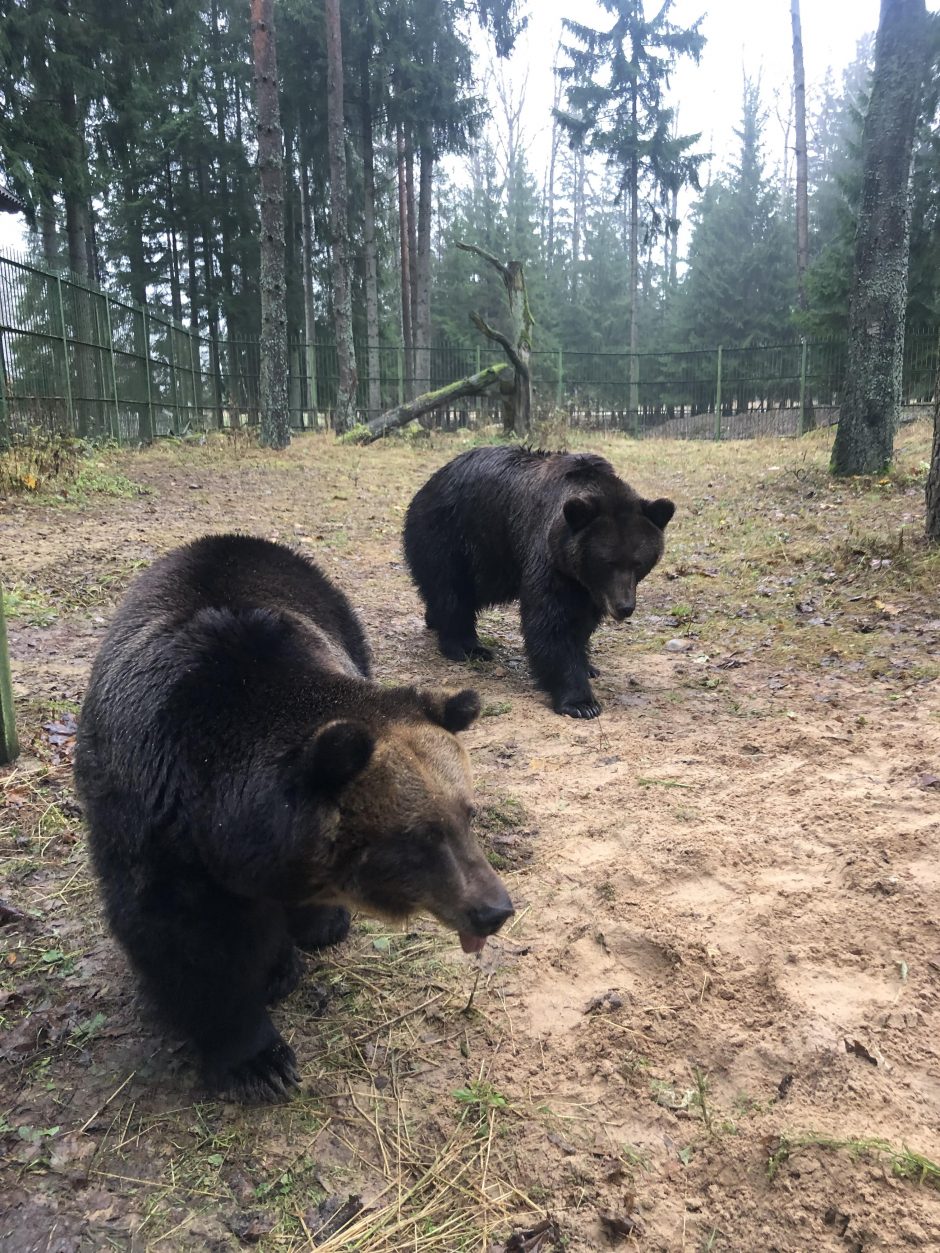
x=718, y=398
x=9, y=744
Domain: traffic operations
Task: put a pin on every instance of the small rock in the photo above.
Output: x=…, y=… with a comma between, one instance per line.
x=679, y=646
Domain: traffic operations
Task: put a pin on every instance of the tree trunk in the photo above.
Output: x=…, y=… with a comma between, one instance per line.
x=403, y=414
x=422, y=329
x=369, y=251
x=518, y=419
x=176, y=295
x=404, y=237
x=933, y=478
x=47, y=228
x=871, y=398
x=310, y=321
x=674, y=232
x=212, y=304
x=634, y=272
x=802, y=202
x=275, y=410
x=412, y=256
x=339, y=215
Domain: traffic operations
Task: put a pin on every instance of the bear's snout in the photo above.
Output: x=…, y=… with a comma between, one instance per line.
x=487, y=919
x=624, y=610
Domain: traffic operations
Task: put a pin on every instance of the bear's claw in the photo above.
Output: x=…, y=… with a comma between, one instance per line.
x=268, y=1078
x=588, y=708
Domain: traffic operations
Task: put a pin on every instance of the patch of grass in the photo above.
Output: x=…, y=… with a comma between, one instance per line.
x=496, y=709
x=505, y=814
x=904, y=1162
x=98, y=480
x=29, y=605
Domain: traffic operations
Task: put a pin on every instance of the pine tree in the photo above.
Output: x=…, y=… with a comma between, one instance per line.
x=871, y=395
x=339, y=221
x=740, y=284
x=615, y=103
x=275, y=412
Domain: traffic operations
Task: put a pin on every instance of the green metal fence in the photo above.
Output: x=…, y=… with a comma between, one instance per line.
x=76, y=359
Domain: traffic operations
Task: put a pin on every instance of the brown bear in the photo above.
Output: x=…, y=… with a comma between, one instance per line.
x=560, y=532
x=245, y=784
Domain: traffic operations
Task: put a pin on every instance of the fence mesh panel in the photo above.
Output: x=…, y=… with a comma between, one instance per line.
x=77, y=360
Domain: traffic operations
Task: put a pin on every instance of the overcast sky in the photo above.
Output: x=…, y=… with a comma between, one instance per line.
x=751, y=34
x=740, y=34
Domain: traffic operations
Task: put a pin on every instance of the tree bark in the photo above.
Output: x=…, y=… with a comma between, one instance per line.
x=802, y=200
x=519, y=348
x=475, y=385
x=47, y=228
x=634, y=268
x=404, y=238
x=871, y=398
x=422, y=327
x=275, y=410
x=369, y=250
x=310, y=321
x=412, y=255
x=212, y=304
x=933, y=477
x=339, y=215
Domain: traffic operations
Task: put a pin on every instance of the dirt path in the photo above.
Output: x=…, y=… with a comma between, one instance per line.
x=726, y=959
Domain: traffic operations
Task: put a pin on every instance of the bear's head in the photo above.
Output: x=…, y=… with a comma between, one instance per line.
x=395, y=798
x=608, y=542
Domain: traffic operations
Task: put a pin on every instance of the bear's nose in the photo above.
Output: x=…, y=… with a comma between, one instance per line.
x=487, y=919
x=625, y=610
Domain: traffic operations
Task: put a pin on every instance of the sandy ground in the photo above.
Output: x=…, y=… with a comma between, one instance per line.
x=715, y=1021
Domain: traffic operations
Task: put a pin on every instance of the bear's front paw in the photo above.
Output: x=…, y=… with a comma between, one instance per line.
x=318, y=926
x=579, y=707
x=594, y=672
x=270, y=1076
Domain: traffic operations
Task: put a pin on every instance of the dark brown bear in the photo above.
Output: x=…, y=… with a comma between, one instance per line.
x=245, y=785
x=559, y=531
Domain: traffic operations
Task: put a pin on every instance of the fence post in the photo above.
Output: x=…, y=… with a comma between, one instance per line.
x=802, y=427
x=148, y=432
x=69, y=404
x=197, y=394
x=9, y=745
x=116, y=430
x=718, y=398
x=177, y=425
x=4, y=415
x=559, y=386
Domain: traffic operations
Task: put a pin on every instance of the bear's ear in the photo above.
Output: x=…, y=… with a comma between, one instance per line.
x=454, y=711
x=659, y=511
x=337, y=754
x=579, y=511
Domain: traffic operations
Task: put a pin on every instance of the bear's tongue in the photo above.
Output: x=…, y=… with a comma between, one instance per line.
x=471, y=943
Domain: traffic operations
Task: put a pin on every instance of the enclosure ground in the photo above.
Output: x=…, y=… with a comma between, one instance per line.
x=723, y=981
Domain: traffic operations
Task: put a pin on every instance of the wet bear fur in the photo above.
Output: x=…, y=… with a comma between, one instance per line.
x=560, y=532
x=245, y=784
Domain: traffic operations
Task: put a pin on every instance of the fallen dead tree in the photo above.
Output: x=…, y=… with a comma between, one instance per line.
x=474, y=385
